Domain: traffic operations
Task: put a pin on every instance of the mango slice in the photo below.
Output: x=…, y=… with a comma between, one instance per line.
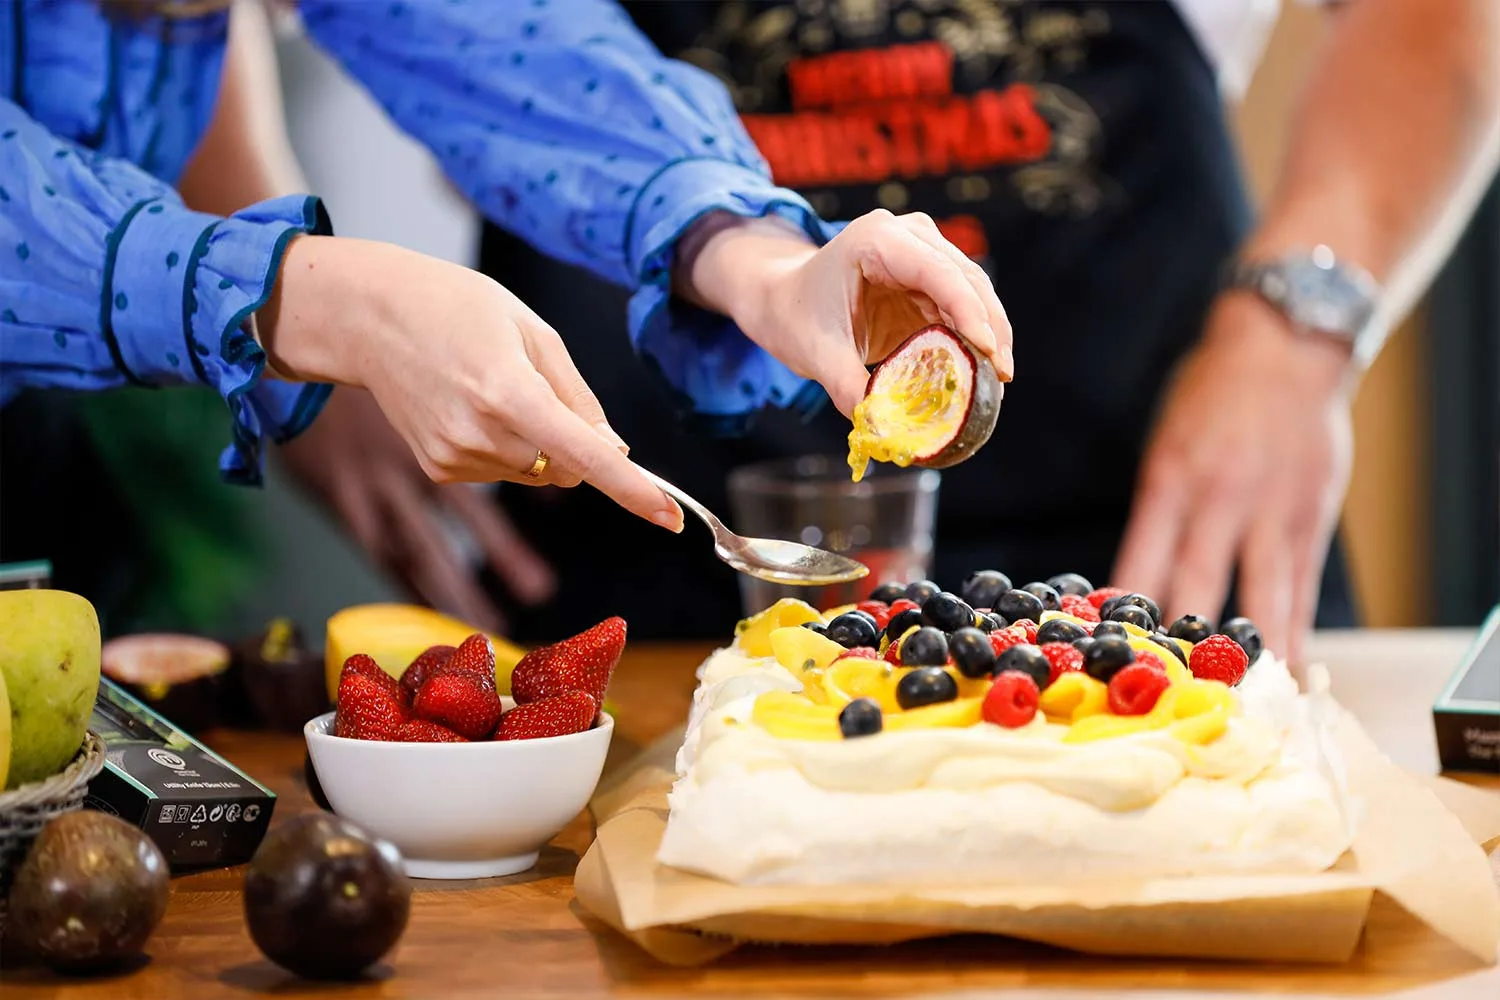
x=754, y=633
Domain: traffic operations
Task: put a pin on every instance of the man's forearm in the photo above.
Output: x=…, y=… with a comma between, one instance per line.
x=1393, y=142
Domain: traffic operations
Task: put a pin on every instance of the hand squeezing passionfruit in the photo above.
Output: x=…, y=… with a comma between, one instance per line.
x=932, y=402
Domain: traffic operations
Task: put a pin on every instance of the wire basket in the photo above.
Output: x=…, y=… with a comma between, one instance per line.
x=25, y=810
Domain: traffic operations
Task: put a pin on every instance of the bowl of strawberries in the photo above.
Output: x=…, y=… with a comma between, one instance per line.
x=467, y=782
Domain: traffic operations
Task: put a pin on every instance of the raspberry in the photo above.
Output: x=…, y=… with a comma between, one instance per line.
x=1011, y=701
x=858, y=653
x=1150, y=660
x=1004, y=638
x=901, y=604
x=1218, y=658
x=1063, y=657
x=1079, y=607
x=1098, y=597
x=877, y=610
x=1136, y=689
x=1028, y=626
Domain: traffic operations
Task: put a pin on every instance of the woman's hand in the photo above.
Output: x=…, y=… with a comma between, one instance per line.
x=474, y=381
x=827, y=313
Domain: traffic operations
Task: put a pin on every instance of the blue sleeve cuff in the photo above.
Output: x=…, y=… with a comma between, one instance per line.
x=719, y=378
x=220, y=271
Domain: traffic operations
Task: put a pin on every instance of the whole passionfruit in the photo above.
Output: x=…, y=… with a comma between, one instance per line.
x=933, y=402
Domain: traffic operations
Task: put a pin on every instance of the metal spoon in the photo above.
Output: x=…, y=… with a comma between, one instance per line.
x=768, y=558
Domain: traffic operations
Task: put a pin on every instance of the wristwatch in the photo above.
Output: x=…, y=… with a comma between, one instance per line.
x=1318, y=294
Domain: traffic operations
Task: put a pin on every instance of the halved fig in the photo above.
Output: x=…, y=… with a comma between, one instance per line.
x=933, y=402
x=180, y=676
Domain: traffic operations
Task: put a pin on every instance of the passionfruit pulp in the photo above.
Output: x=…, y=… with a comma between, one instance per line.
x=933, y=402
x=183, y=677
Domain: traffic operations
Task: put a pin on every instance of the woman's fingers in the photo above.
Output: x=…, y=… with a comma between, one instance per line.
x=921, y=225
x=550, y=356
x=576, y=446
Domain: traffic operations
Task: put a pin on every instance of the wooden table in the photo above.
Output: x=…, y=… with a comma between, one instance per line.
x=524, y=936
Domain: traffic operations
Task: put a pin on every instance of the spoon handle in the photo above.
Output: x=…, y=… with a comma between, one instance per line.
x=702, y=512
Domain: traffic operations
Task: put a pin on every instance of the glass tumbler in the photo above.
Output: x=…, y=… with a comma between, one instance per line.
x=886, y=522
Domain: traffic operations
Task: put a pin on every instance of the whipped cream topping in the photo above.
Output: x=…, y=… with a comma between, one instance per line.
x=988, y=802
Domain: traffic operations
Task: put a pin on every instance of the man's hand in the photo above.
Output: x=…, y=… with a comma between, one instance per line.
x=355, y=463
x=1248, y=465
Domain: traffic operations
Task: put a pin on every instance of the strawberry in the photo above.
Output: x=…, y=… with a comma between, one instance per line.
x=1218, y=658
x=1136, y=688
x=422, y=667
x=583, y=663
x=1011, y=700
x=559, y=715
x=422, y=731
x=877, y=610
x=1004, y=638
x=1063, y=657
x=461, y=699
x=368, y=709
x=474, y=656
x=1079, y=607
x=1099, y=596
x=364, y=666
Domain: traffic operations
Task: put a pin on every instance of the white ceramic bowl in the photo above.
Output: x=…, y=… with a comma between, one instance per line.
x=461, y=810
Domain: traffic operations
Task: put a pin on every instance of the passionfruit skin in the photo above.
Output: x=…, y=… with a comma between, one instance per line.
x=985, y=394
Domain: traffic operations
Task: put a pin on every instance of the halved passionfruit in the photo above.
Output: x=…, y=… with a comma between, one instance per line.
x=181, y=676
x=933, y=402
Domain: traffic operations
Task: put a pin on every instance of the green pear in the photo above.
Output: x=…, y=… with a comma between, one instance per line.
x=49, y=659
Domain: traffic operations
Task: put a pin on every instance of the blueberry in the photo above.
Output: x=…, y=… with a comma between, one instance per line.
x=1059, y=630
x=984, y=588
x=988, y=621
x=1142, y=601
x=1051, y=600
x=926, y=647
x=1168, y=644
x=1017, y=604
x=1134, y=614
x=1193, y=628
x=901, y=621
x=1110, y=630
x=1082, y=645
x=1245, y=632
x=817, y=627
x=859, y=611
x=1107, y=607
x=888, y=592
x=921, y=591
x=861, y=717
x=853, y=628
x=972, y=652
x=1026, y=659
x=925, y=686
x=1107, y=657
x=1071, y=583
x=947, y=612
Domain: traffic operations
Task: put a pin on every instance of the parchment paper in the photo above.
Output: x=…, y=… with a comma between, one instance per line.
x=1418, y=841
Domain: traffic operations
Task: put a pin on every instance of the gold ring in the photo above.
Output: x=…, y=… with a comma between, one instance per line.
x=539, y=466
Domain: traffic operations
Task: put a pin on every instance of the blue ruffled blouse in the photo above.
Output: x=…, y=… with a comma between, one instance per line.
x=556, y=117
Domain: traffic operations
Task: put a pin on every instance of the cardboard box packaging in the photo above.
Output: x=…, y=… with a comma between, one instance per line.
x=1467, y=713
x=201, y=810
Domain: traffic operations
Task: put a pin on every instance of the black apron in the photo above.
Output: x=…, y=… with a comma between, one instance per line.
x=1078, y=150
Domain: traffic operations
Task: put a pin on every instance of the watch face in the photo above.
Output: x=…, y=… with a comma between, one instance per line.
x=1321, y=297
